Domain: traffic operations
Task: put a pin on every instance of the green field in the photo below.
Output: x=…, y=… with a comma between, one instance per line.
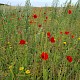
x=26, y=33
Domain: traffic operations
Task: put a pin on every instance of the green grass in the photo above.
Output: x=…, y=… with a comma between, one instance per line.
x=13, y=55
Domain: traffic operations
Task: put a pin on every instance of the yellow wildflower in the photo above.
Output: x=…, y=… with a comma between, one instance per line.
x=21, y=68
x=64, y=42
x=10, y=67
x=79, y=38
x=8, y=43
x=27, y=72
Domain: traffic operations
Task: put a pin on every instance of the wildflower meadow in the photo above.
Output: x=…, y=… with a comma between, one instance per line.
x=40, y=43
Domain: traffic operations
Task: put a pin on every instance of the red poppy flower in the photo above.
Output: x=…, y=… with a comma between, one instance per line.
x=52, y=39
x=22, y=42
x=39, y=25
x=72, y=36
x=44, y=12
x=67, y=32
x=44, y=20
x=35, y=16
x=69, y=11
x=31, y=22
x=48, y=34
x=46, y=17
x=60, y=32
x=44, y=56
x=69, y=58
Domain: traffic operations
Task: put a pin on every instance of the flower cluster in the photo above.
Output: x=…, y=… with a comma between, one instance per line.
x=51, y=38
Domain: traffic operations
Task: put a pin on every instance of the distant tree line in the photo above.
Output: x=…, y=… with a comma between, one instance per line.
x=4, y=4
